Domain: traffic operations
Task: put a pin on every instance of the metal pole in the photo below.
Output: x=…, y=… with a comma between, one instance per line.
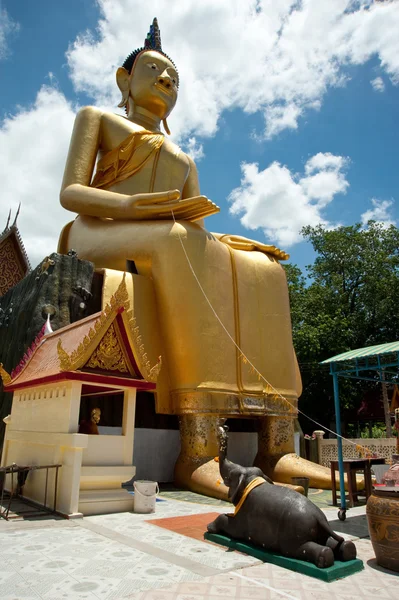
x=385, y=402
x=339, y=441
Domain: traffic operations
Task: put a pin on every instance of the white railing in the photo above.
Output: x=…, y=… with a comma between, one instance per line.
x=328, y=451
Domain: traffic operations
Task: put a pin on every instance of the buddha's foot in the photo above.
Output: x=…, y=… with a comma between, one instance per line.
x=205, y=478
x=201, y=476
x=291, y=465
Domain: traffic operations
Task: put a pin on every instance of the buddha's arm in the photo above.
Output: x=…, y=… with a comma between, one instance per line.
x=77, y=196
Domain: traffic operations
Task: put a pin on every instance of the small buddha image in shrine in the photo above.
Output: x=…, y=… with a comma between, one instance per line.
x=101, y=414
x=90, y=427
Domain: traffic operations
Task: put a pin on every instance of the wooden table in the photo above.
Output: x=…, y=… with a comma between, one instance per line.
x=351, y=467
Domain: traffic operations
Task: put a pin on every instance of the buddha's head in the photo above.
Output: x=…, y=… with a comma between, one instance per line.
x=148, y=78
x=96, y=415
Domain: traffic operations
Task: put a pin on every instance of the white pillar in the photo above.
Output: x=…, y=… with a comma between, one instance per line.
x=7, y=421
x=74, y=391
x=69, y=480
x=129, y=414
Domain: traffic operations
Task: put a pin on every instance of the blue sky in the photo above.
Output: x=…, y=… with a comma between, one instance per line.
x=290, y=108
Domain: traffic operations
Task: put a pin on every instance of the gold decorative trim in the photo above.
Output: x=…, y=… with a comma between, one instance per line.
x=4, y=375
x=149, y=373
x=230, y=403
x=121, y=298
x=63, y=357
x=82, y=354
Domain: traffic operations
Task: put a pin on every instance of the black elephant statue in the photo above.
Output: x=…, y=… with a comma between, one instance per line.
x=276, y=518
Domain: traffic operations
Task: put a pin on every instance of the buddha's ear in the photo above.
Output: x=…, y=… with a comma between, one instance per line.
x=122, y=79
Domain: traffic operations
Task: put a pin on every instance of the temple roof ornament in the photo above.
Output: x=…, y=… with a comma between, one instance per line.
x=106, y=343
x=6, y=378
x=14, y=261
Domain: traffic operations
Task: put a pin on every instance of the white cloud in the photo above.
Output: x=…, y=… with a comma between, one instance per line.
x=378, y=84
x=7, y=28
x=280, y=117
x=277, y=58
x=381, y=212
x=194, y=149
x=281, y=203
x=325, y=161
x=33, y=148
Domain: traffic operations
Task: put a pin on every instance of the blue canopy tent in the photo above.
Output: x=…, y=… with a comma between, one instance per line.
x=374, y=363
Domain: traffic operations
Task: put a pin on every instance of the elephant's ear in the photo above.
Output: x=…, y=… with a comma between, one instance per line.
x=236, y=495
x=261, y=474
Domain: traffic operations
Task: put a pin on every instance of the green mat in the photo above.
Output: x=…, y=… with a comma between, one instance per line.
x=337, y=571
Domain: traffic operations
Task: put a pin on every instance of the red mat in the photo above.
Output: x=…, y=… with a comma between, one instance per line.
x=193, y=526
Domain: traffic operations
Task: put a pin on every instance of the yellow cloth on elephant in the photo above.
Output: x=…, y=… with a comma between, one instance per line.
x=251, y=486
x=127, y=159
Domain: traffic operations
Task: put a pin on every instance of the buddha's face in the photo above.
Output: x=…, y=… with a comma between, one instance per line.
x=96, y=415
x=153, y=83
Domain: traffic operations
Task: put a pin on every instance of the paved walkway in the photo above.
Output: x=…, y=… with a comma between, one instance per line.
x=127, y=556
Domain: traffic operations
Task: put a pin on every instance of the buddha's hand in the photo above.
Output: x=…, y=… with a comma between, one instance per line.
x=165, y=205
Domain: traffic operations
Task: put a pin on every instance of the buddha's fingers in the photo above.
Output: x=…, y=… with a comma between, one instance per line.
x=153, y=199
x=180, y=208
x=201, y=212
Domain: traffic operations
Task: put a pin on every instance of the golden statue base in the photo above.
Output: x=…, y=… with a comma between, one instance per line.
x=196, y=468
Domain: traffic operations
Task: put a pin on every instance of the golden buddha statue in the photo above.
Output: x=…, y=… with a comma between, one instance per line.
x=143, y=206
x=91, y=427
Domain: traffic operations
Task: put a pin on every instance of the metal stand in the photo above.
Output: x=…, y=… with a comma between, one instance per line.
x=16, y=491
x=342, y=510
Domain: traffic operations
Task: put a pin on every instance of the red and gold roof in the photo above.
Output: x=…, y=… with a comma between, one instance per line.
x=14, y=262
x=104, y=348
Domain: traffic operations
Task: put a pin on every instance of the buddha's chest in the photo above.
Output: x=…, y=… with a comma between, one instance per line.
x=165, y=168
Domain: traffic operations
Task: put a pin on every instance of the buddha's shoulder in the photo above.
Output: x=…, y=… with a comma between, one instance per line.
x=92, y=113
x=175, y=150
x=89, y=112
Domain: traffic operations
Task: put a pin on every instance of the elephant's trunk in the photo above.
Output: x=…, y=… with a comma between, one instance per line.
x=223, y=451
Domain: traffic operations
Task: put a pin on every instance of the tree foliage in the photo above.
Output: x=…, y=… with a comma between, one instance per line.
x=348, y=298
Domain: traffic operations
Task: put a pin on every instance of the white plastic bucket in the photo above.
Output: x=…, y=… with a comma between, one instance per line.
x=145, y=494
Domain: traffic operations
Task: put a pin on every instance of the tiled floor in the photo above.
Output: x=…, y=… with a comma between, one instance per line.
x=268, y=582
x=147, y=557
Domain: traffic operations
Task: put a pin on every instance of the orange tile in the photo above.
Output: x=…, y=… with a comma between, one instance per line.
x=193, y=526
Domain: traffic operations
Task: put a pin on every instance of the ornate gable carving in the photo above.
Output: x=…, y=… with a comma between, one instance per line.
x=108, y=356
x=13, y=258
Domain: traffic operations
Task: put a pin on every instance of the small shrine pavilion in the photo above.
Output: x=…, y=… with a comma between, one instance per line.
x=97, y=362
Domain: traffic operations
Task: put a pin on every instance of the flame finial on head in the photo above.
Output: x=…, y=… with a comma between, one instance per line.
x=153, y=39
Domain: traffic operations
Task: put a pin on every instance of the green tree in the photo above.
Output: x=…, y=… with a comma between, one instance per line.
x=349, y=299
